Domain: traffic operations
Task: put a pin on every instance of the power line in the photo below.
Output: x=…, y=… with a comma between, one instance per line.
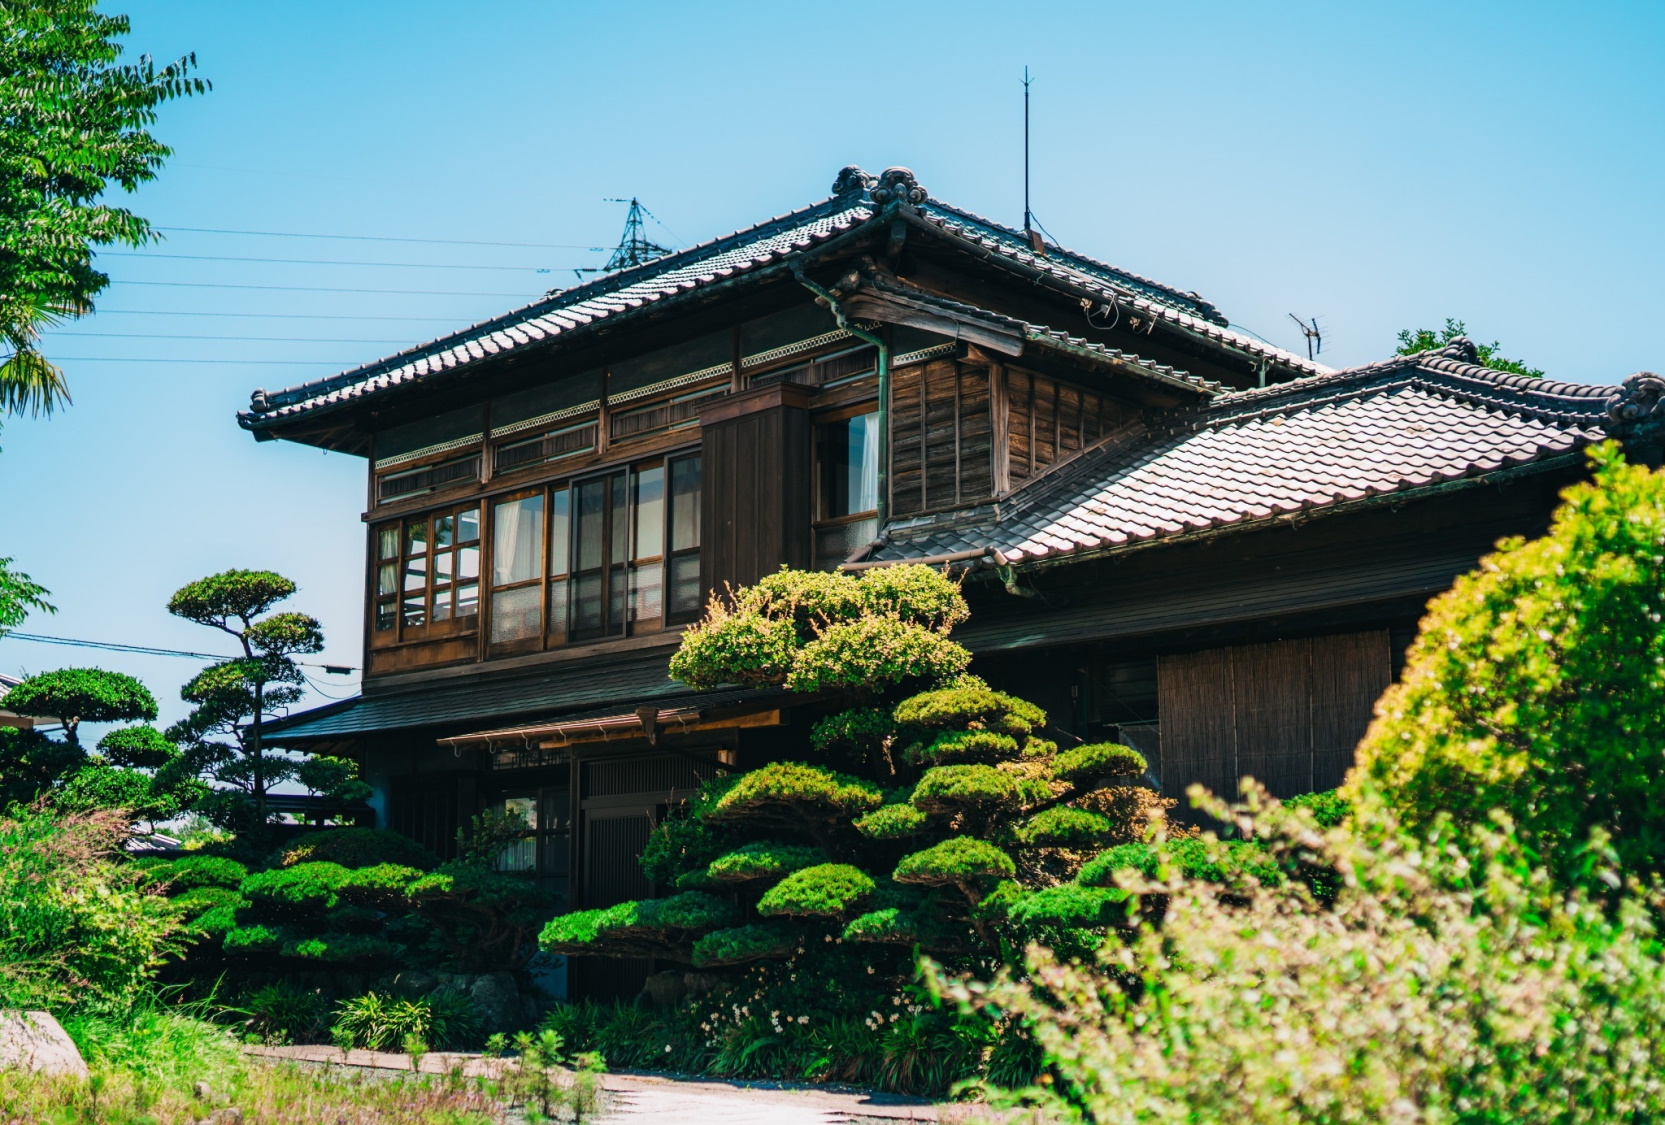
x=249, y=339
x=268, y=316
x=342, y=363
x=319, y=261
x=147, y=650
x=318, y=289
x=386, y=238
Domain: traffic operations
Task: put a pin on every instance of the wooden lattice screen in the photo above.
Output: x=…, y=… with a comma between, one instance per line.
x=1287, y=713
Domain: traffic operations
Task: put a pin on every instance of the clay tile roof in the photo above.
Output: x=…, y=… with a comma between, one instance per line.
x=1387, y=429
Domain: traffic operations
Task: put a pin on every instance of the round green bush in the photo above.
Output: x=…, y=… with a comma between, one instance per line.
x=861, y=731
x=357, y=847
x=249, y=940
x=138, y=747
x=193, y=871
x=1072, y=905
x=1101, y=869
x=1064, y=827
x=796, y=790
x=875, y=652
x=947, y=788
x=913, y=593
x=1099, y=759
x=895, y=925
x=1329, y=808
x=829, y=890
x=200, y=899
x=384, y=886
x=304, y=887
x=892, y=822
x=955, y=861
x=970, y=705
x=728, y=649
x=960, y=746
x=762, y=861
x=739, y=944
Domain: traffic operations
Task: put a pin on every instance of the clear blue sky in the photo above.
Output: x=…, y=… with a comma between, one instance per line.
x=1379, y=166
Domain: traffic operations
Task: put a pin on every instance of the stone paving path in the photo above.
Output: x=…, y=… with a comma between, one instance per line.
x=663, y=1100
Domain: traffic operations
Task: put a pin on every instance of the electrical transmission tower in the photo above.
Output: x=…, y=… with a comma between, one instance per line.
x=634, y=248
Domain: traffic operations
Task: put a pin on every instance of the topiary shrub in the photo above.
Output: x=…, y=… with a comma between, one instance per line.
x=341, y=948
x=950, y=788
x=198, y=871
x=874, y=652
x=1065, y=827
x=1099, y=759
x=383, y=887
x=795, y=792
x=974, y=705
x=197, y=900
x=740, y=944
x=304, y=888
x=762, y=861
x=957, y=860
x=917, y=594
x=357, y=847
x=137, y=747
x=653, y=927
x=257, y=938
x=962, y=746
x=1071, y=906
x=892, y=822
x=827, y=890
x=1535, y=685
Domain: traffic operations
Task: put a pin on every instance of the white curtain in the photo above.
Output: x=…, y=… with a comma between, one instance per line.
x=517, y=536
x=864, y=488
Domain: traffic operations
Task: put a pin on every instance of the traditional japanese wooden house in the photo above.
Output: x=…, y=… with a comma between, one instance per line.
x=1172, y=533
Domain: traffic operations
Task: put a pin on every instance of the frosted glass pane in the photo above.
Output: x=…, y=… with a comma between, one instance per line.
x=517, y=540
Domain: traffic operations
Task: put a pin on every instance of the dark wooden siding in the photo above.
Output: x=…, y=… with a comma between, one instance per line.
x=755, y=497
x=1048, y=420
x=941, y=436
x=1286, y=713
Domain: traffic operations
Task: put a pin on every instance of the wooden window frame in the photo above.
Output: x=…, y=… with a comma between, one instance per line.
x=455, y=624
x=821, y=522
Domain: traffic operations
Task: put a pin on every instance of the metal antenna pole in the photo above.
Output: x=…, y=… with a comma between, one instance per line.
x=1027, y=217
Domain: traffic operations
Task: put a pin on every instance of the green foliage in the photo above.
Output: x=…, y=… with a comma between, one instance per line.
x=78, y=695
x=75, y=930
x=18, y=595
x=137, y=747
x=962, y=746
x=384, y=886
x=1071, y=905
x=875, y=652
x=857, y=734
x=762, y=861
x=664, y=927
x=31, y=765
x=1534, y=683
x=1426, y=340
x=679, y=851
x=247, y=941
x=1099, y=759
x=793, y=791
x=892, y=822
x=827, y=890
x=917, y=594
x=970, y=705
x=1329, y=809
x=377, y=1021
x=951, y=788
x=1065, y=827
x=955, y=860
x=341, y=948
x=199, y=900
x=357, y=847
x=1431, y=987
x=286, y=1013
x=1196, y=858
x=302, y=888
x=739, y=944
x=193, y=871
x=73, y=122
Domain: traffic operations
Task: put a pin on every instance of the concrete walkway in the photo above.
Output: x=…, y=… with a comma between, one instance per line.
x=666, y=1100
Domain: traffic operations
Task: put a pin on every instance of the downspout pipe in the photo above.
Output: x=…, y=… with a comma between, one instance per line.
x=884, y=384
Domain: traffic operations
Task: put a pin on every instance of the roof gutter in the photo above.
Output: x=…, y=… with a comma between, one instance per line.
x=844, y=322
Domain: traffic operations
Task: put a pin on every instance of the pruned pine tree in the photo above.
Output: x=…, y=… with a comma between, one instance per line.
x=930, y=811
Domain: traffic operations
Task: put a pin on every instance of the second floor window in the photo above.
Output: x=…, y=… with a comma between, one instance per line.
x=596, y=556
x=847, y=486
x=428, y=573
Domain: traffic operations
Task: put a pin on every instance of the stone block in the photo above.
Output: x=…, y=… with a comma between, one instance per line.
x=35, y=1041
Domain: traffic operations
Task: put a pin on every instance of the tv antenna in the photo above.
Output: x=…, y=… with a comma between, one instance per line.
x=1028, y=215
x=634, y=248
x=1314, y=337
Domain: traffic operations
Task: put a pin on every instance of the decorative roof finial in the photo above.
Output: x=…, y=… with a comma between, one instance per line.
x=851, y=177
x=258, y=402
x=1461, y=347
x=898, y=183
x=1639, y=399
